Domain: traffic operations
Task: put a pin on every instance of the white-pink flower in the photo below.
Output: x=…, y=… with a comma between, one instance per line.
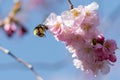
x=54, y=23
x=110, y=46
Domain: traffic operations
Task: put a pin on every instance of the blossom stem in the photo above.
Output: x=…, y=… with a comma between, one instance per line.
x=70, y=4
x=26, y=64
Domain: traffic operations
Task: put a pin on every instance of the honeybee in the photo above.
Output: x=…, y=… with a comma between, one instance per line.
x=40, y=30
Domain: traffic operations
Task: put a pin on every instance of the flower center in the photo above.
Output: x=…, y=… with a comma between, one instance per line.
x=107, y=45
x=57, y=26
x=88, y=50
x=87, y=13
x=86, y=27
x=76, y=13
x=78, y=37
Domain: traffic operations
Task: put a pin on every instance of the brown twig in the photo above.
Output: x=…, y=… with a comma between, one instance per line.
x=16, y=8
x=70, y=4
x=26, y=64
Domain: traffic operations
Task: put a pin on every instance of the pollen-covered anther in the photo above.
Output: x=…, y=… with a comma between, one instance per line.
x=107, y=45
x=57, y=25
x=78, y=37
x=86, y=27
x=75, y=13
x=87, y=13
x=88, y=50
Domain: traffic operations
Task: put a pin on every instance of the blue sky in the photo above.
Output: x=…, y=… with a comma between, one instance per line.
x=49, y=57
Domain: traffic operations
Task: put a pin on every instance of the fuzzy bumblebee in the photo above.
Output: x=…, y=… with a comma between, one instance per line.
x=40, y=30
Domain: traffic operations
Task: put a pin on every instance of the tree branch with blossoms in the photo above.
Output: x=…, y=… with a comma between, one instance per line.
x=10, y=23
x=26, y=64
x=77, y=28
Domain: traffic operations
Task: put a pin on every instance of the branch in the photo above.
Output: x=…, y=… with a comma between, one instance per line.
x=26, y=64
x=70, y=4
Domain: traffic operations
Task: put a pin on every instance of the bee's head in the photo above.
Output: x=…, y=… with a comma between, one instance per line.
x=36, y=31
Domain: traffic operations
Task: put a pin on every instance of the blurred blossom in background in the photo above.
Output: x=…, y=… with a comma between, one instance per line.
x=49, y=57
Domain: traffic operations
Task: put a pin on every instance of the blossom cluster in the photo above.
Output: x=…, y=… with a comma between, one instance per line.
x=10, y=27
x=77, y=28
x=10, y=23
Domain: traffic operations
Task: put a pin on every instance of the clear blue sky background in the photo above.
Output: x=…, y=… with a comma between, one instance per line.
x=49, y=57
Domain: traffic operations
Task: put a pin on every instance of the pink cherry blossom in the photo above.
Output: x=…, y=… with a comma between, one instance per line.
x=54, y=23
x=77, y=29
x=110, y=46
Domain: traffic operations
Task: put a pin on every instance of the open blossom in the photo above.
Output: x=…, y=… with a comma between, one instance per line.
x=77, y=28
x=55, y=23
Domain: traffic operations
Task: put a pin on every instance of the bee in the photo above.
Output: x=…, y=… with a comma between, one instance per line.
x=40, y=30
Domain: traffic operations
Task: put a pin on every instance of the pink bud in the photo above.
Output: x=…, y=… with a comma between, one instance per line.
x=22, y=30
x=100, y=39
x=10, y=29
x=9, y=33
x=112, y=58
